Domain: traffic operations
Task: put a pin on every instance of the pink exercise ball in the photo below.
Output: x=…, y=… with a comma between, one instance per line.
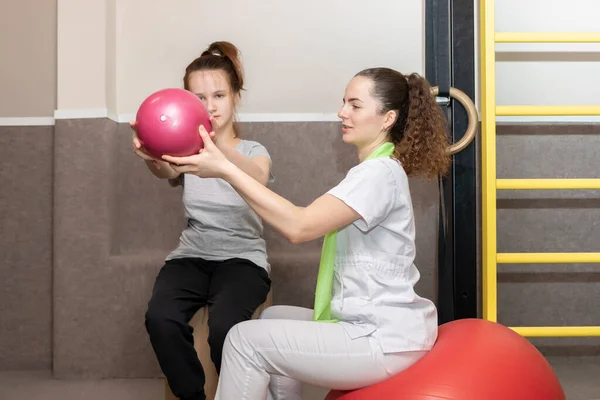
x=473, y=359
x=167, y=123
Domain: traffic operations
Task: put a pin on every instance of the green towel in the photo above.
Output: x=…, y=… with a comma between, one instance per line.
x=322, y=309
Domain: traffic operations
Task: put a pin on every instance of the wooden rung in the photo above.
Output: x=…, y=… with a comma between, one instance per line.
x=557, y=331
x=547, y=184
x=547, y=37
x=547, y=258
x=560, y=111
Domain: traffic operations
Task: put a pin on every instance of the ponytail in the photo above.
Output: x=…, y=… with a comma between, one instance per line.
x=222, y=56
x=225, y=56
x=423, y=149
x=419, y=132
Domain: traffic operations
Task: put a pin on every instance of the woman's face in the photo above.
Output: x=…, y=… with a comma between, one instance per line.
x=362, y=120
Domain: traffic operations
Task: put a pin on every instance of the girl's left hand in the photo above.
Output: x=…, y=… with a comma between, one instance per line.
x=209, y=163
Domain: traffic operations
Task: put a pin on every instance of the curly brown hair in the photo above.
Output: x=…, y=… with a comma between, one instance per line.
x=420, y=131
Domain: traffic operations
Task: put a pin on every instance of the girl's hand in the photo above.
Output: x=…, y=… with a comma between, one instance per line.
x=139, y=150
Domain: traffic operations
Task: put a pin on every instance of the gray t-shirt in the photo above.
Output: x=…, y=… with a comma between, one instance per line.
x=221, y=225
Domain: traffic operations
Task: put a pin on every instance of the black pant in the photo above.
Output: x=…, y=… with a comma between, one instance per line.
x=233, y=289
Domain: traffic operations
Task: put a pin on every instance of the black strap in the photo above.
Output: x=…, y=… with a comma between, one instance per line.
x=445, y=261
x=441, y=38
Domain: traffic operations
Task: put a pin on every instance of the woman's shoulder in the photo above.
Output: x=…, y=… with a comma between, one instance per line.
x=383, y=167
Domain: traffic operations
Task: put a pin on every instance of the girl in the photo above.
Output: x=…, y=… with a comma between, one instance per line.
x=221, y=259
x=368, y=322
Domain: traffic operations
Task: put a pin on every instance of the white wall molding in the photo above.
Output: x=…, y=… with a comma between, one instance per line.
x=82, y=113
x=27, y=121
x=548, y=119
x=124, y=118
x=112, y=115
x=266, y=117
x=289, y=117
x=262, y=117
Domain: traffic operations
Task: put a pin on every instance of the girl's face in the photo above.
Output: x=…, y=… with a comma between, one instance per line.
x=213, y=88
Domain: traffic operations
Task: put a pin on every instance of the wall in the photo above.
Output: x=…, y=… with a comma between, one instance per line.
x=81, y=63
x=298, y=55
x=81, y=55
x=546, y=73
x=548, y=221
x=71, y=235
x=27, y=89
x=28, y=48
x=117, y=75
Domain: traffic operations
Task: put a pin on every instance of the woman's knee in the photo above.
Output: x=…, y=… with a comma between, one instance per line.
x=287, y=312
x=234, y=342
x=273, y=312
x=242, y=336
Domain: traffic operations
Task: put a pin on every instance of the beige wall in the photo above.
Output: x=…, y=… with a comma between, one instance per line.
x=81, y=54
x=28, y=54
x=298, y=55
x=547, y=73
x=111, y=58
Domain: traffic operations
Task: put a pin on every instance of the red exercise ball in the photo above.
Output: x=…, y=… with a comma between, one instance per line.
x=473, y=359
x=167, y=123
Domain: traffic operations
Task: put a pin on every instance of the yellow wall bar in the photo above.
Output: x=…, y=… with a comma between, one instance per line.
x=547, y=110
x=547, y=37
x=546, y=184
x=557, y=331
x=547, y=258
x=488, y=152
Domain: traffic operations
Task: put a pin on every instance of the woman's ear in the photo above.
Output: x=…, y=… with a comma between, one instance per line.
x=390, y=119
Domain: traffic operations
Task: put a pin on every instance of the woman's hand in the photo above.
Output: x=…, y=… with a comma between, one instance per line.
x=139, y=150
x=209, y=163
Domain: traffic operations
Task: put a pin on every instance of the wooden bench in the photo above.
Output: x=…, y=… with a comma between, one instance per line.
x=200, y=324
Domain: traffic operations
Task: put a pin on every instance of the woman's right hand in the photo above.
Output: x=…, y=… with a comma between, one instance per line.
x=139, y=150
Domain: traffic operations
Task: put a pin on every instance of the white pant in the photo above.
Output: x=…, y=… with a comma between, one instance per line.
x=285, y=347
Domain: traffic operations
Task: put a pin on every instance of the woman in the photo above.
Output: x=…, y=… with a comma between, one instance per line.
x=221, y=258
x=368, y=322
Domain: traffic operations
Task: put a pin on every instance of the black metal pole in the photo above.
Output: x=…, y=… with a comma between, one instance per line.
x=438, y=70
x=464, y=170
x=449, y=63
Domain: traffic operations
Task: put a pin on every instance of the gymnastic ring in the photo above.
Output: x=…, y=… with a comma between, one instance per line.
x=467, y=103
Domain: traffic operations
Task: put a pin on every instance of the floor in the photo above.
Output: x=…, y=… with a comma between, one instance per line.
x=39, y=385
x=579, y=376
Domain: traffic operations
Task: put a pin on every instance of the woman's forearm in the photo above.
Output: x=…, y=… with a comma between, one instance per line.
x=247, y=165
x=275, y=210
